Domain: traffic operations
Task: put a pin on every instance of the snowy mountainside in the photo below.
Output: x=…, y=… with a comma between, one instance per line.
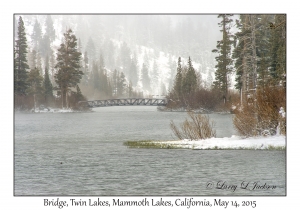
x=118, y=32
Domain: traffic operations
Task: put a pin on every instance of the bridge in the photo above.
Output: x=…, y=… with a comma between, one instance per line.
x=124, y=102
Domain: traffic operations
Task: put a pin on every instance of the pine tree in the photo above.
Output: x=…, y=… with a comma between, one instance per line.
x=130, y=90
x=79, y=46
x=32, y=59
x=163, y=89
x=45, y=47
x=125, y=57
x=50, y=31
x=35, y=85
x=90, y=48
x=145, y=77
x=189, y=82
x=85, y=78
x=278, y=50
x=96, y=77
x=46, y=64
x=224, y=60
x=36, y=36
x=133, y=74
x=79, y=96
x=242, y=55
x=39, y=62
x=52, y=66
x=121, y=84
x=48, y=88
x=155, y=76
x=252, y=46
x=178, y=80
x=68, y=73
x=20, y=60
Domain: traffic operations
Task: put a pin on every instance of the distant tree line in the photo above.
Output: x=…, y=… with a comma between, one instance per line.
x=58, y=82
x=256, y=53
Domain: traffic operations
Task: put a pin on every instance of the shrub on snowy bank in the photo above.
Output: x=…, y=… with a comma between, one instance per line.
x=198, y=127
x=263, y=116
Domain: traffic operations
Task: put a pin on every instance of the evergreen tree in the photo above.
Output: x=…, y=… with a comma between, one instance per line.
x=20, y=60
x=155, y=76
x=86, y=72
x=110, y=54
x=130, y=90
x=125, y=57
x=103, y=76
x=50, y=31
x=91, y=50
x=96, y=77
x=48, y=88
x=224, y=60
x=52, y=66
x=163, y=89
x=101, y=62
x=251, y=47
x=45, y=47
x=133, y=74
x=145, y=77
x=79, y=46
x=32, y=59
x=39, y=62
x=189, y=83
x=178, y=80
x=121, y=84
x=68, y=73
x=278, y=50
x=242, y=54
x=35, y=85
x=79, y=96
x=36, y=35
x=46, y=65
x=209, y=79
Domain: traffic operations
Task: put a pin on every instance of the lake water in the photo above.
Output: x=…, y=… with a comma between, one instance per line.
x=83, y=154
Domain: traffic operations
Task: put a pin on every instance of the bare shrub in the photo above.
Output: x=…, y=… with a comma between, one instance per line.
x=262, y=117
x=195, y=128
x=245, y=121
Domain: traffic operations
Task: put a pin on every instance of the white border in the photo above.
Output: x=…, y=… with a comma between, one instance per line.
x=8, y=201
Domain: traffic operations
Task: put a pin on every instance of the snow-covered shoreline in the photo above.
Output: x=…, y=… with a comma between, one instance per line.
x=234, y=142
x=52, y=110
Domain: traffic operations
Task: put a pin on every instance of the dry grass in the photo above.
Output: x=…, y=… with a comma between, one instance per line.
x=196, y=127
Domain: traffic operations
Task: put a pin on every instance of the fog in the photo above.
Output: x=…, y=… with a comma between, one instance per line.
x=120, y=40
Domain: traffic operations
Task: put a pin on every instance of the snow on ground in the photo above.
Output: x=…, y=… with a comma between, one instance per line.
x=234, y=142
x=51, y=110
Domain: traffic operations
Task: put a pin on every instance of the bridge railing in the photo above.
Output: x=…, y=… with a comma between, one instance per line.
x=124, y=102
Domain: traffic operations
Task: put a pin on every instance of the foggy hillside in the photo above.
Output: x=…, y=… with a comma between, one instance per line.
x=154, y=40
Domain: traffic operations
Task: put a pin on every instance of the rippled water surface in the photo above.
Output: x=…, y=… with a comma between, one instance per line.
x=83, y=154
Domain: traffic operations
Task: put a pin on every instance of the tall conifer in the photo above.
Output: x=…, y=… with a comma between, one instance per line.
x=68, y=73
x=224, y=60
x=20, y=60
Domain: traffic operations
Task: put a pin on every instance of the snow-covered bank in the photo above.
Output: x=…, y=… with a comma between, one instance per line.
x=52, y=110
x=234, y=142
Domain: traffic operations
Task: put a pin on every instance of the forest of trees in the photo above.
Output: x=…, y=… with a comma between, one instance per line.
x=66, y=72
x=250, y=49
x=256, y=53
